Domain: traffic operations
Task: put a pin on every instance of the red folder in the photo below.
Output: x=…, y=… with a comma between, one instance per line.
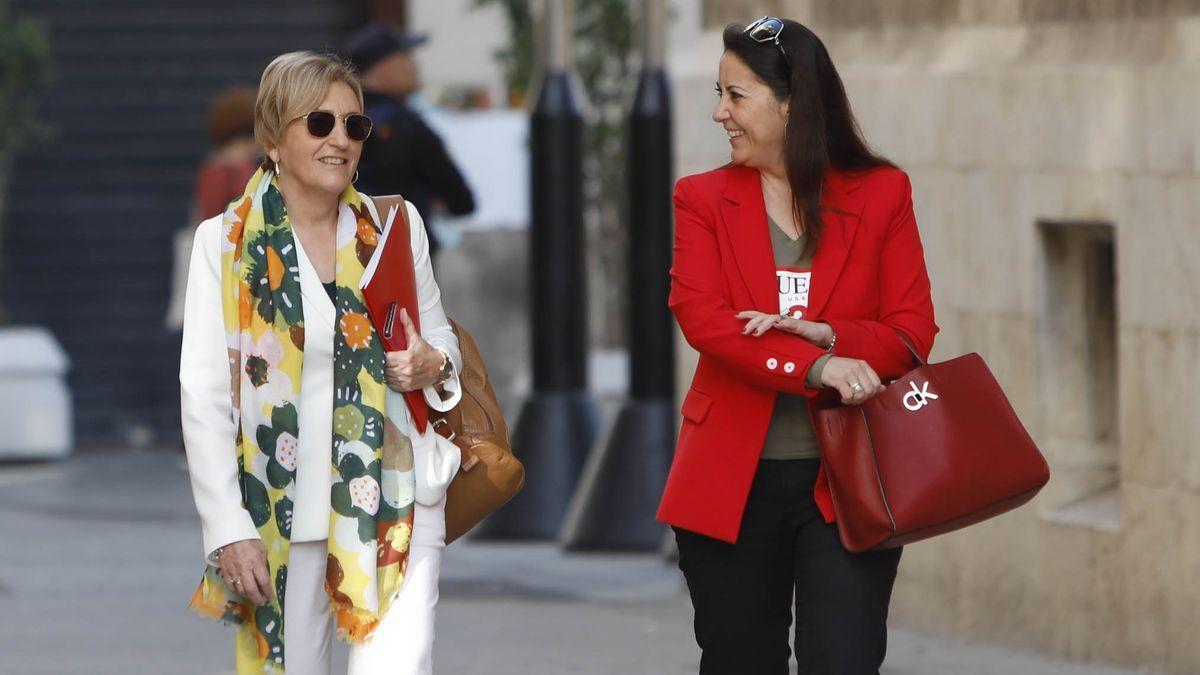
x=389, y=284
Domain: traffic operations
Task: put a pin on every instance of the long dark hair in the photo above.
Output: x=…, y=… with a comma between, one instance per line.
x=821, y=131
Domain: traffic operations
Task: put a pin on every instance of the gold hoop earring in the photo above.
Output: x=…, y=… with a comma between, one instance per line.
x=355, y=179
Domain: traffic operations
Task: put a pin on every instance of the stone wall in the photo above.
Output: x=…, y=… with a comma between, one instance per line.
x=1029, y=128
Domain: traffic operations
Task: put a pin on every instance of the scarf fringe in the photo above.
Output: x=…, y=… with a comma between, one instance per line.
x=354, y=625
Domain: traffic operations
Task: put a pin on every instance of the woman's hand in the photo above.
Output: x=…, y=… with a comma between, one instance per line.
x=855, y=380
x=243, y=566
x=414, y=368
x=815, y=332
x=844, y=374
x=758, y=323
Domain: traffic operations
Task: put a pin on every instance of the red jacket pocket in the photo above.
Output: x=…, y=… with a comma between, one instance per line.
x=696, y=405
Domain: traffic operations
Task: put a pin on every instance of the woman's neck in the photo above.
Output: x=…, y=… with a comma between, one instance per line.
x=306, y=208
x=777, y=195
x=775, y=184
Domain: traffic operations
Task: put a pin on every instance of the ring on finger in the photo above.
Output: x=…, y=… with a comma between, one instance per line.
x=856, y=387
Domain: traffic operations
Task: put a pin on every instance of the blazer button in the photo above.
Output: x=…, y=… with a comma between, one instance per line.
x=789, y=367
x=772, y=363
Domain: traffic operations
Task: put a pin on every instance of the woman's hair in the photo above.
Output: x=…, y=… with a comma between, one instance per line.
x=231, y=115
x=821, y=131
x=292, y=85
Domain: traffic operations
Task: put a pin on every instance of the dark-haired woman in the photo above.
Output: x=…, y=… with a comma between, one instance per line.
x=797, y=269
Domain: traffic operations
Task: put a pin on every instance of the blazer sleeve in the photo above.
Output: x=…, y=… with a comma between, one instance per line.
x=435, y=327
x=709, y=322
x=209, y=434
x=905, y=304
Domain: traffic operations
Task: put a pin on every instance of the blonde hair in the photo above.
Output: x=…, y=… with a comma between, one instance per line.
x=293, y=84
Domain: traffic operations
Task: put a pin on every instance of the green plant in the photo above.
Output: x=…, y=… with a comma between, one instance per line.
x=604, y=60
x=24, y=74
x=517, y=57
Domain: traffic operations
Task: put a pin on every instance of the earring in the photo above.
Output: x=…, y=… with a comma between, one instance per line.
x=278, y=170
x=355, y=179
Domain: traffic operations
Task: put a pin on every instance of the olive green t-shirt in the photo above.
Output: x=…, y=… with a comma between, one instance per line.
x=790, y=435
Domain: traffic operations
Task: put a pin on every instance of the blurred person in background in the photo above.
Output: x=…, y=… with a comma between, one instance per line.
x=404, y=156
x=797, y=268
x=318, y=488
x=221, y=177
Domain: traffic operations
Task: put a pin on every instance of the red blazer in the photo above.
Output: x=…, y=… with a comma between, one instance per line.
x=869, y=280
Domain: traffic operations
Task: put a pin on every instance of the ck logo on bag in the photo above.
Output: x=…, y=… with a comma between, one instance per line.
x=920, y=397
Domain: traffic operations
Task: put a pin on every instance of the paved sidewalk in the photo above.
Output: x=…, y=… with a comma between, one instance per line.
x=100, y=554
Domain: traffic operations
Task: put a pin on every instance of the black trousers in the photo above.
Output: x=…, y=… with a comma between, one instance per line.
x=743, y=593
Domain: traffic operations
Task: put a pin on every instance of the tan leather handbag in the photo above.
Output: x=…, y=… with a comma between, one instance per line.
x=490, y=474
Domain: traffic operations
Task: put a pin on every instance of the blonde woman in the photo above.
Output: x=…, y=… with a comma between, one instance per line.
x=319, y=489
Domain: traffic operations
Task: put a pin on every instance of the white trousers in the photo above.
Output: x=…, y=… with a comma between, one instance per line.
x=403, y=641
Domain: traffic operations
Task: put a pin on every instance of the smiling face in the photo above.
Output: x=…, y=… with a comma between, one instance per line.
x=325, y=165
x=752, y=117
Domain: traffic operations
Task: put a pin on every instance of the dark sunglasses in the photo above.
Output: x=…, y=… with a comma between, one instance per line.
x=320, y=124
x=768, y=29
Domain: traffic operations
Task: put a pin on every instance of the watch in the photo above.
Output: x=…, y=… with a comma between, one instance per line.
x=447, y=368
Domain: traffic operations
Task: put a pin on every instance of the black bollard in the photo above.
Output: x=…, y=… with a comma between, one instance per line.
x=617, y=498
x=559, y=422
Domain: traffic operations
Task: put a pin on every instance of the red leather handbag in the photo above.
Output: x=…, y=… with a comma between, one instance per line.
x=940, y=449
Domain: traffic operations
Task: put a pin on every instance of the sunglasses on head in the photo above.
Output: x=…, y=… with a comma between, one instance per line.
x=768, y=29
x=320, y=124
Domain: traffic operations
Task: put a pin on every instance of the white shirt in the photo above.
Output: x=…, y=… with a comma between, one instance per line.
x=208, y=429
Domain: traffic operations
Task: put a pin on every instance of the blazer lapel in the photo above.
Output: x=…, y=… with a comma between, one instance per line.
x=311, y=288
x=745, y=216
x=843, y=208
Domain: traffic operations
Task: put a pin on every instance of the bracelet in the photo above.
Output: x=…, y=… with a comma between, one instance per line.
x=833, y=341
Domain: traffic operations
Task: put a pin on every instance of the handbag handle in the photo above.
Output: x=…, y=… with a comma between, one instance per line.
x=908, y=343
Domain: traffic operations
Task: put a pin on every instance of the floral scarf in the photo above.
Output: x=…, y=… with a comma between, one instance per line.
x=372, y=462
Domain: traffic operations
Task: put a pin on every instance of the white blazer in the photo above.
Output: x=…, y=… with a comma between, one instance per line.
x=208, y=428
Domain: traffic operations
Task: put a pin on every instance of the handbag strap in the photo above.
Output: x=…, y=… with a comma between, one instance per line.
x=383, y=205
x=908, y=343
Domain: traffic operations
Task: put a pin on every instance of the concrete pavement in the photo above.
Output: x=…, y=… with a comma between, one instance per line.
x=100, y=553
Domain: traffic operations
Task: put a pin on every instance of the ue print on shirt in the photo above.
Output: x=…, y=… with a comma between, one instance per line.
x=793, y=291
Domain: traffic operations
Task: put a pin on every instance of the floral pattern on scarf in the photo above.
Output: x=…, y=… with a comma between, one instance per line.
x=371, y=516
